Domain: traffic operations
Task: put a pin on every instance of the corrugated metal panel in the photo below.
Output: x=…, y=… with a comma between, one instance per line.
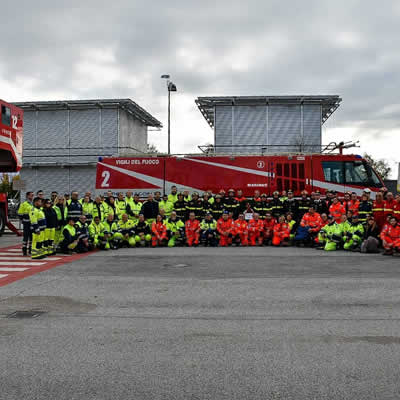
x=52, y=134
x=62, y=180
x=28, y=175
x=109, y=130
x=29, y=140
x=223, y=128
x=250, y=127
x=82, y=179
x=46, y=179
x=85, y=134
x=312, y=125
x=284, y=126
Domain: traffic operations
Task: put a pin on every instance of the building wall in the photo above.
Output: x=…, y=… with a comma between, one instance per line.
x=62, y=180
x=132, y=134
x=273, y=125
x=70, y=135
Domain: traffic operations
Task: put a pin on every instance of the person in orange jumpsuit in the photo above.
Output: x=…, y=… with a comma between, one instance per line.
x=313, y=222
x=281, y=232
x=353, y=204
x=269, y=223
x=337, y=210
x=389, y=204
x=391, y=238
x=378, y=210
x=240, y=231
x=256, y=229
x=192, y=230
x=225, y=229
x=396, y=208
x=159, y=232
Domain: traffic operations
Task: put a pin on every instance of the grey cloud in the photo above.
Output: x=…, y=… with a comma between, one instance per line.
x=347, y=48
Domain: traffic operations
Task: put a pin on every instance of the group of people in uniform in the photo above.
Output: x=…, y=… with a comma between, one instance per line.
x=71, y=224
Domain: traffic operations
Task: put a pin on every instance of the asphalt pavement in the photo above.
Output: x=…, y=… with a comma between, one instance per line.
x=236, y=323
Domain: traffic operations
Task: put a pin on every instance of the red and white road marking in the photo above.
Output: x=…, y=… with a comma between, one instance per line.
x=14, y=266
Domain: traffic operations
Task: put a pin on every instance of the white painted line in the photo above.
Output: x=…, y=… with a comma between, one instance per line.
x=7, y=269
x=15, y=250
x=3, y=275
x=12, y=255
x=21, y=258
x=8, y=263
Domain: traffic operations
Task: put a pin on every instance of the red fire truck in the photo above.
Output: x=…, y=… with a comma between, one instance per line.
x=11, y=131
x=264, y=173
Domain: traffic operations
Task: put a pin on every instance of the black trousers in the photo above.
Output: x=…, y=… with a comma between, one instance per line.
x=27, y=235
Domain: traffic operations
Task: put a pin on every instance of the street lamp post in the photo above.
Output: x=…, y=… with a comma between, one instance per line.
x=171, y=87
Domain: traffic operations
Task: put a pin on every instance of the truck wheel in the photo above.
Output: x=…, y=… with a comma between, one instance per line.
x=2, y=221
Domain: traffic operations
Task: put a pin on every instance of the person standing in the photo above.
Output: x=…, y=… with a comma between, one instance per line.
x=150, y=209
x=378, y=210
x=38, y=225
x=337, y=210
x=134, y=207
x=50, y=232
x=23, y=214
x=364, y=208
x=74, y=207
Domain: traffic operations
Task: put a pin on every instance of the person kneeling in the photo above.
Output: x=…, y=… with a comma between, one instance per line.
x=142, y=232
x=192, y=230
x=391, y=238
x=69, y=238
x=175, y=230
x=281, y=233
x=97, y=235
x=125, y=234
x=159, y=231
x=208, y=231
x=241, y=231
x=82, y=232
x=333, y=234
x=225, y=229
x=354, y=235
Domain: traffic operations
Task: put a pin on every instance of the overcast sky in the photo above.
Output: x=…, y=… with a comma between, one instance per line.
x=96, y=49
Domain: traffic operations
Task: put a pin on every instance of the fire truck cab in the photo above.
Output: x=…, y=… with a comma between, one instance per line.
x=11, y=132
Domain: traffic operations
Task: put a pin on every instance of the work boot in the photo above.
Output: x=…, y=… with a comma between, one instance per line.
x=388, y=253
x=24, y=251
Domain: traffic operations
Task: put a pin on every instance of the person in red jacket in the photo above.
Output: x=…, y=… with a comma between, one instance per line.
x=256, y=228
x=389, y=204
x=269, y=223
x=281, y=233
x=225, y=229
x=391, y=238
x=240, y=231
x=396, y=208
x=311, y=220
x=192, y=230
x=353, y=204
x=337, y=210
x=159, y=232
x=378, y=210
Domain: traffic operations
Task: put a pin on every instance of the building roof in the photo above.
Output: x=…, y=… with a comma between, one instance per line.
x=207, y=104
x=126, y=104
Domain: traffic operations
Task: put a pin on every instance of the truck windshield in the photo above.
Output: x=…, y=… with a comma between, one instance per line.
x=357, y=173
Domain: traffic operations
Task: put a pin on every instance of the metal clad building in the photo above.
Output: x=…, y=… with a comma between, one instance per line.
x=63, y=140
x=253, y=124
